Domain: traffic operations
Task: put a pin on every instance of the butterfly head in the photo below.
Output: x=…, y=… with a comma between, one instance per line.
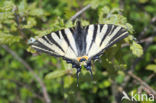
x=82, y=60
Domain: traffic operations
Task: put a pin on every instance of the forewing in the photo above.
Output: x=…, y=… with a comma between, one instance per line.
x=60, y=43
x=102, y=36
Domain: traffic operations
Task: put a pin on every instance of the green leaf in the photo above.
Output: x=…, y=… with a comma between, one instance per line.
x=30, y=23
x=31, y=50
x=150, y=9
x=137, y=49
x=36, y=12
x=151, y=67
x=68, y=80
x=56, y=74
x=8, y=39
x=22, y=7
x=41, y=32
x=103, y=12
x=6, y=16
x=104, y=84
x=120, y=77
x=143, y=1
x=129, y=28
x=7, y=6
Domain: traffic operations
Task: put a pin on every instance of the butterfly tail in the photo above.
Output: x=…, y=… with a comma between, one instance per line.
x=88, y=67
x=78, y=73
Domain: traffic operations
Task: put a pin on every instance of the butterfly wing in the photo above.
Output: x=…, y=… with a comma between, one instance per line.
x=60, y=43
x=102, y=36
x=64, y=43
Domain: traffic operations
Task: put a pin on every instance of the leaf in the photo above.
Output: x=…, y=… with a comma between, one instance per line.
x=108, y=16
x=41, y=32
x=137, y=49
x=56, y=74
x=6, y=15
x=31, y=50
x=7, y=6
x=151, y=67
x=129, y=28
x=102, y=12
x=36, y=12
x=22, y=7
x=150, y=9
x=143, y=1
x=120, y=77
x=68, y=80
x=8, y=39
x=104, y=84
x=30, y=23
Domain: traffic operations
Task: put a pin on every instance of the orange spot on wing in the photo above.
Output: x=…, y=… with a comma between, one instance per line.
x=79, y=58
x=85, y=57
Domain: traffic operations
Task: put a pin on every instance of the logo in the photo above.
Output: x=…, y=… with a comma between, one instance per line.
x=137, y=97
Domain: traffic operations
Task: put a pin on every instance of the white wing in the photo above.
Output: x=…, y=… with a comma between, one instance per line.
x=60, y=43
x=102, y=36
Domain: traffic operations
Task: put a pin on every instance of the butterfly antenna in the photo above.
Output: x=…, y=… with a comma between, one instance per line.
x=77, y=73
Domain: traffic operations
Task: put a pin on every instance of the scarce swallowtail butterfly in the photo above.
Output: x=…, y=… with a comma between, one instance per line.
x=81, y=44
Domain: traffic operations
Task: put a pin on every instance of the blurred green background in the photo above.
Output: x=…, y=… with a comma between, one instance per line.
x=29, y=77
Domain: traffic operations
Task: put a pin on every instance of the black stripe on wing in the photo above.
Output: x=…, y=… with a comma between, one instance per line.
x=113, y=28
x=120, y=32
x=120, y=37
x=101, y=26
x=47, y=52
x=66, y=39
x=38, y=46
x=57, y=33
x=94, y=35
x=53, y=41
x=107, y=32
x=41, y=45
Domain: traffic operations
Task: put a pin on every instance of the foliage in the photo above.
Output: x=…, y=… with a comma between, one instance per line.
x=22, y=19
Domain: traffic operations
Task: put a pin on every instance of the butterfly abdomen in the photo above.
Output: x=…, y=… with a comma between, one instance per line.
x=80, y=39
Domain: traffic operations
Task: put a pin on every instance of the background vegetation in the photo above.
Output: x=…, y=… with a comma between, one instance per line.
x=30, y=77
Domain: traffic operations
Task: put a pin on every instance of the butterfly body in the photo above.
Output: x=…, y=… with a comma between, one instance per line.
x=81, y=44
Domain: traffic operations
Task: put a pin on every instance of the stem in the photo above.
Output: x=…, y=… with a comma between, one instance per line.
x=80, y=12
x=27, y=66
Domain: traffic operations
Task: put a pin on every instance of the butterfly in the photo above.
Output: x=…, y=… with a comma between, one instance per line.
x=80, y=45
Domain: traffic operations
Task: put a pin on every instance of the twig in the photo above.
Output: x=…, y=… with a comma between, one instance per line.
x=147, y=88
x=151, y=76
x=148, y=78
x=80, y=12
x=18, y=21
x=27, y=66
x=25, y=86
x=40, y=3
x=114, y=91
x=149, y=39
x=121, y=4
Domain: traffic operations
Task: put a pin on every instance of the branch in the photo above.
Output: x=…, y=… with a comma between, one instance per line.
x=114, y=91
x=27, y=66
x=80, y=12
x=18, y=21
x=146, y=88
x=25, y=86
x=146, y=40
